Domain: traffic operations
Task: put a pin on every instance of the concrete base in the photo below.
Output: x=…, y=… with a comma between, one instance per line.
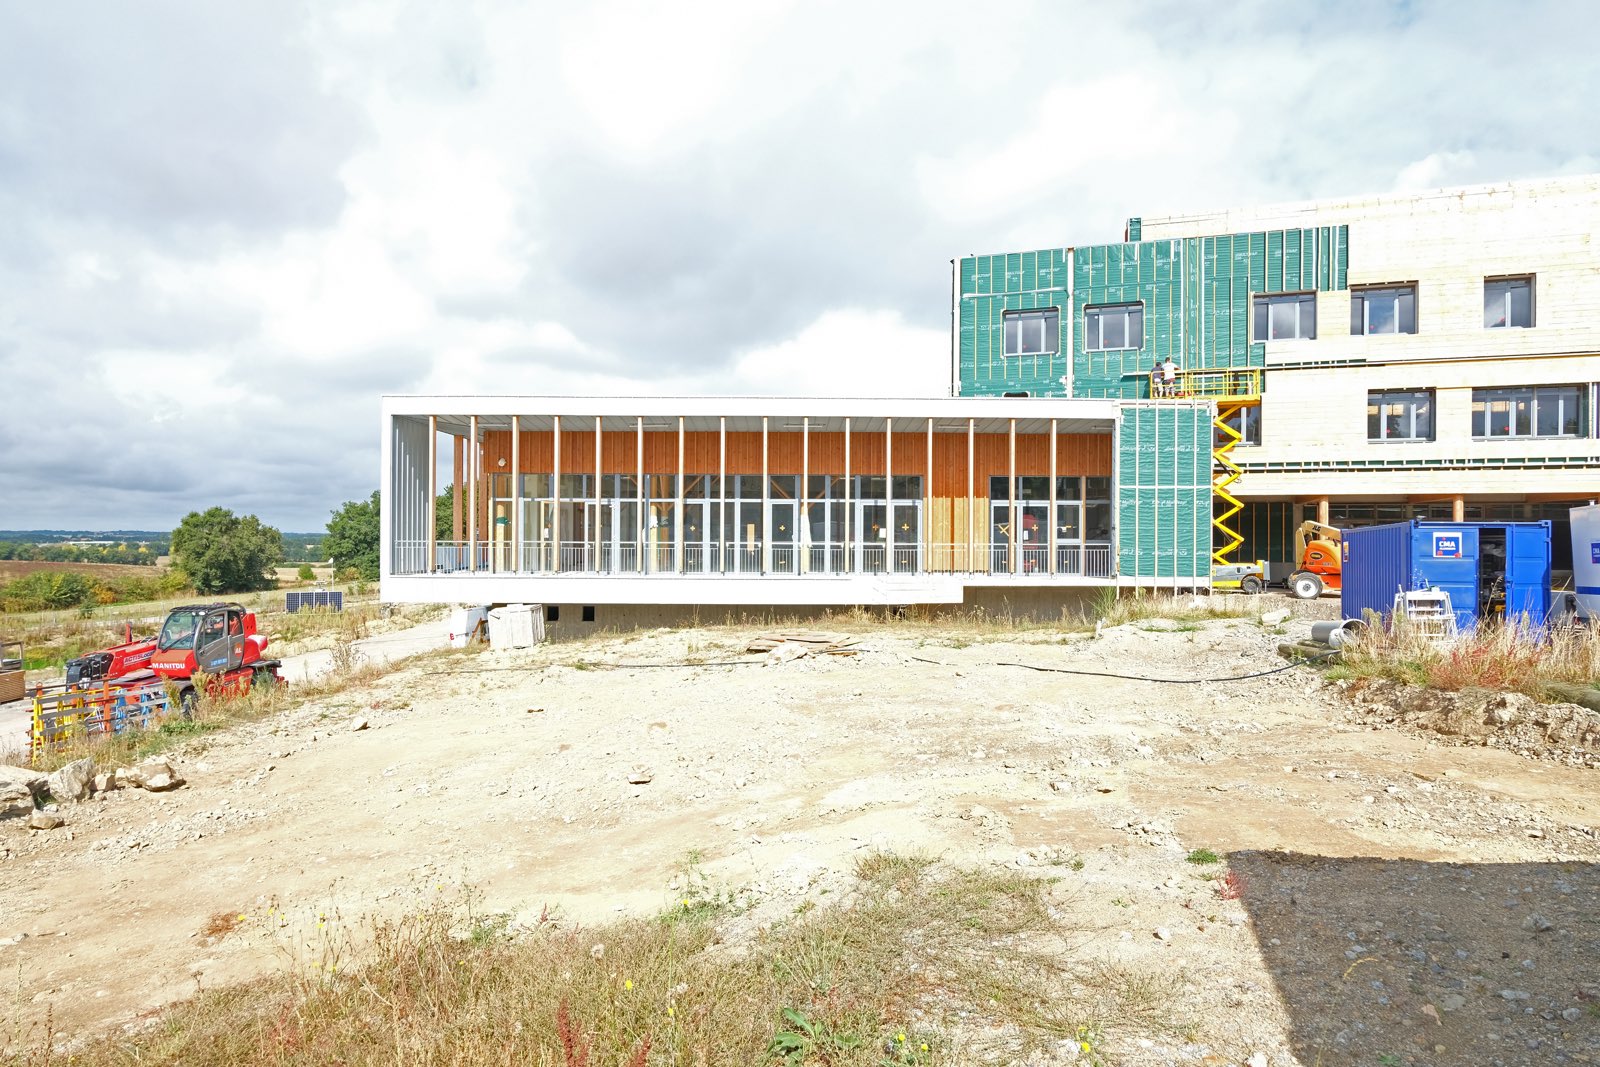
x=1022, y=603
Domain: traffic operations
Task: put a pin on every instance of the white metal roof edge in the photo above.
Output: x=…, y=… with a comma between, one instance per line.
x=781, y=407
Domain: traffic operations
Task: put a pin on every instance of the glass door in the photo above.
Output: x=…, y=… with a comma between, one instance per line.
x=905, y=536
x=872, y=536
x=782, y=521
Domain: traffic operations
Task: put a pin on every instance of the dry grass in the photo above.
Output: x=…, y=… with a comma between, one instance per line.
x=1505, y=658
x=913, y=968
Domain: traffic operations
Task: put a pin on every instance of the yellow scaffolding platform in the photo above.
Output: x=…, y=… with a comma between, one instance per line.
x=1233, y=389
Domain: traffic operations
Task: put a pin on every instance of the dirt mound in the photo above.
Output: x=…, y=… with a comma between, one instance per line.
x=1564, y=732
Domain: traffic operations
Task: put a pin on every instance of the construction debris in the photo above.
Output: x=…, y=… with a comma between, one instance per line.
x=794, y=644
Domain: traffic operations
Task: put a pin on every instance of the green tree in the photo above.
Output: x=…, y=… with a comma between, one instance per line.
x=444, y=515
x=305, y=573
x=220, y=552
x=352, y=541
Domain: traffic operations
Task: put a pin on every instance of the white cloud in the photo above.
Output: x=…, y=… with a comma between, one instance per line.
x=848, y=353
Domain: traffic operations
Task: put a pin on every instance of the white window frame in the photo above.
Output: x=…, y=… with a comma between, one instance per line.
x=1535, y=397
x=1248, y=422
x=1299, y=301
x=1096, y=312
x=1024, y=317
x=1384, y=397
x=1505, y=284
x=1366, y=295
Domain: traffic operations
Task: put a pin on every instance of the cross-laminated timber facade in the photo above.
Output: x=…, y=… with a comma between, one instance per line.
x=730, y=501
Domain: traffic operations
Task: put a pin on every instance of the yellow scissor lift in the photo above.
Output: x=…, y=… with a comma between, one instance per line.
x=1233, y=389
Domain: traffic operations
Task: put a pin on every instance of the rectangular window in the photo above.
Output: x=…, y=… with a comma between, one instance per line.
x=1114, y=326
x=1507, y=302
x=1528, y=411
x=1285, y=316
x=1246, y=422
x=1032, y=333
x=1391, y=310
x=1400, y=416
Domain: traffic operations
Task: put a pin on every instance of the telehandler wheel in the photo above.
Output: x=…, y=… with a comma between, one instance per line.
x=1251, y=584
x=1305, y=585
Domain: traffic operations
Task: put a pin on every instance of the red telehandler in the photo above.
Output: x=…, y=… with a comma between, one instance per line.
x=219, y=640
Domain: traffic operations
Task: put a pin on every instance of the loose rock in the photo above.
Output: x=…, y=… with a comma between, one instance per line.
x=73, y=781
x=43, y=820
x=640, y=775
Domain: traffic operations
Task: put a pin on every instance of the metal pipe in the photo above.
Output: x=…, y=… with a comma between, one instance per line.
x=1053, y=522
x=473, y=462
x=433, y=492
x=1011, y=489
x=516, y=493
x=555, y=491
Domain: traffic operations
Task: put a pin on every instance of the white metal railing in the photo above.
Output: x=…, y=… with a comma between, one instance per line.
x=1073, y=560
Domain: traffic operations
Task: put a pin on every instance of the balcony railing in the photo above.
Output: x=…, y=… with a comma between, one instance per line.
x=740, y=558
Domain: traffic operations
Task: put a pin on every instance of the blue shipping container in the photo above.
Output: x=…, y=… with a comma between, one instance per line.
x=1478, y=563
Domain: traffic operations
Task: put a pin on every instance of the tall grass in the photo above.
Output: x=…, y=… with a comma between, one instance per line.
x=1506, y=657
x=888, y=979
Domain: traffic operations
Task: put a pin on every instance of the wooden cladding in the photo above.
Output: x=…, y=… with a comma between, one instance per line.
x=1076, y=454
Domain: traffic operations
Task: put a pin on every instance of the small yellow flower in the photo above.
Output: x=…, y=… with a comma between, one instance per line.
x=241, y=918
x=924, y=1046
x=670, y=1012
x=900, y=1038
x=628, y=984
x=1085, y=1046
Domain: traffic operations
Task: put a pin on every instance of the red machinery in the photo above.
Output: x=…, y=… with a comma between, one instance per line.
x=219, y=640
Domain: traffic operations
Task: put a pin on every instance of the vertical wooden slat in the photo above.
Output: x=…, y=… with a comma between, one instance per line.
x=972, y=503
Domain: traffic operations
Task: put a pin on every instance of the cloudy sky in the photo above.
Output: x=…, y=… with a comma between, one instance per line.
x=227, y=228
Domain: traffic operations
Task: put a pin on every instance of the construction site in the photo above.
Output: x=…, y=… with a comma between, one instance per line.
x=1208, y=679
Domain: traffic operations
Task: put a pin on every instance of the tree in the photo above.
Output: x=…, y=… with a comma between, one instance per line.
x=352, y=541
x=444, y=521
x=305, y=573
x=220, y=552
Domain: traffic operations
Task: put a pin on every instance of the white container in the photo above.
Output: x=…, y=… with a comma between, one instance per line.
x=462, y=622
x=1586, y=560
x=513, y=627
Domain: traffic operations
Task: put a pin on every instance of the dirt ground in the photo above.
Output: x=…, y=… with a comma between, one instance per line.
x=1393, y=897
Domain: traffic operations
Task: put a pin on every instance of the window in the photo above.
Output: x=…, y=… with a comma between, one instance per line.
x=1284, y=316
x=1507, y=302
x=1391, y=310
x=1528, y=411
x=1113, y=326
x=1246, y=422
x=1400, y=416
x=1032, y=333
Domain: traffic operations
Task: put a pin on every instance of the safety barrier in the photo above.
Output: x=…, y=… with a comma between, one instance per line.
x=71, y=714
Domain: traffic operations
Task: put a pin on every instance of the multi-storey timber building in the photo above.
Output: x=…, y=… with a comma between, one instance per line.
x=1352, y=361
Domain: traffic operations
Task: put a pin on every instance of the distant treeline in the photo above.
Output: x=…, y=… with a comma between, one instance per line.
x=143, y=551
x=122, y=552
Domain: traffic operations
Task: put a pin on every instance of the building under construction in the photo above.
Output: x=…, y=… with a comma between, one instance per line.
x=1121, y=414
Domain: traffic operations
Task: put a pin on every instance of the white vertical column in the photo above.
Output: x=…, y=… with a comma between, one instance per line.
x=516, y=493
x=722, y=494
x=766, y=499
x=1052, y=523
x=1011, y=490
x=474, y=461
x=803, y=530
x=433, y=491
x=677, y=508
x=927, y=503
x=599, y=497
x=888, y=495
x=640, y=519
x=555, y=491
x=846, y=550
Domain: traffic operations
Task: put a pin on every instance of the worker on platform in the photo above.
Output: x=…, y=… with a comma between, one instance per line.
x=1169, y=377
x=1155, y=378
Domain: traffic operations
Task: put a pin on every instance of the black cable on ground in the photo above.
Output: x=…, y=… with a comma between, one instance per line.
x=1144, y=678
